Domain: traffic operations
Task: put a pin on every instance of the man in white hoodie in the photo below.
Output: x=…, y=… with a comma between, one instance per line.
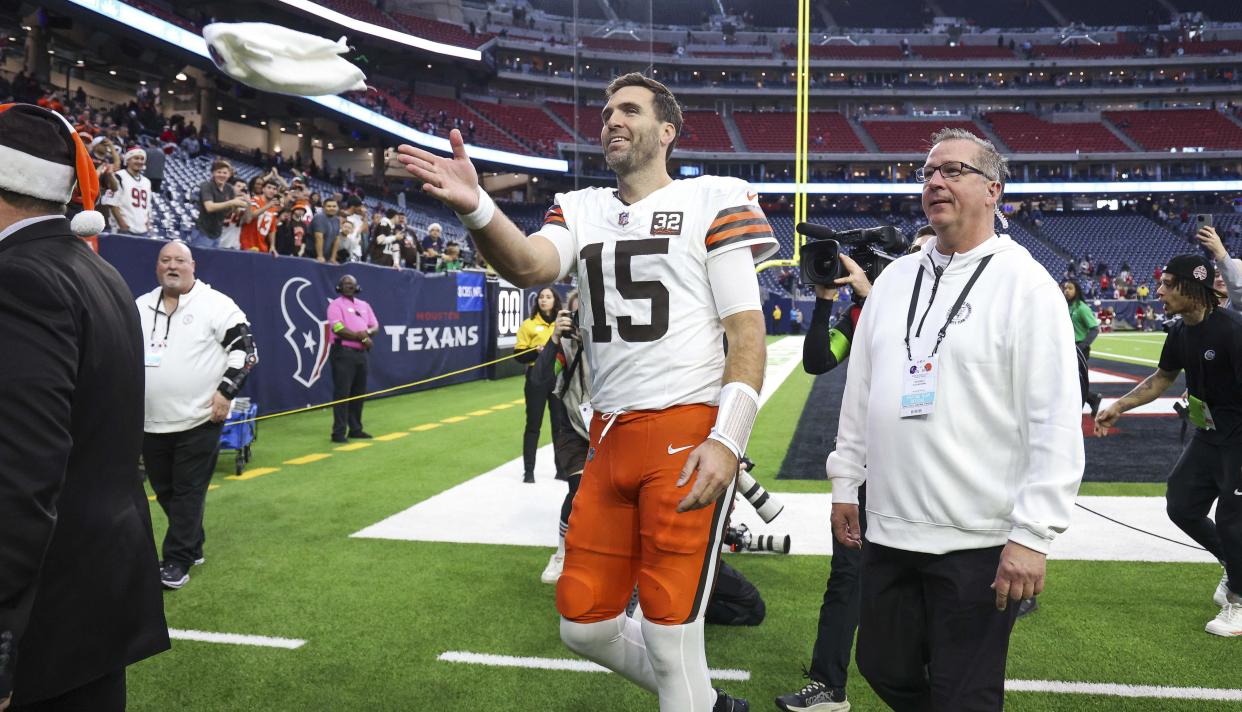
x=947, y=362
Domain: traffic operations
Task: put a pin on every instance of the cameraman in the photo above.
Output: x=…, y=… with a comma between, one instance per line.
x=561, y=369
x=826, y=346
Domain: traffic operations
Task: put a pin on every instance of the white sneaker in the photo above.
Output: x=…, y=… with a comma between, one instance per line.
x=1220, y=598
x=1227, y=623
x=552, y=571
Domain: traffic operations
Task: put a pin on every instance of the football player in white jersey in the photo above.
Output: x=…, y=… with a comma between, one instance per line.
x=132, y=203
x=666, y=270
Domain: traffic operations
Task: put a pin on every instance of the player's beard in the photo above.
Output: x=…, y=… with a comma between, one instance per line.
x=644, y=147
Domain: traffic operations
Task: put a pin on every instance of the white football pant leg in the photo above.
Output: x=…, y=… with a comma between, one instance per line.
x=679, y=660
x=616, y=644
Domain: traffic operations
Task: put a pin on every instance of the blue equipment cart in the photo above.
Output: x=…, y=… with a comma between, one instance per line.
x=239, y=432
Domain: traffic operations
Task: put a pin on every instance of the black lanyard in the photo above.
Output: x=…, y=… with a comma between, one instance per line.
x=961, y=299
x=159, y=301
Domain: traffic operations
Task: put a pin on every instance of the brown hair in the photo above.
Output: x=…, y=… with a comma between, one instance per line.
x=667, y=109
x=221, y=163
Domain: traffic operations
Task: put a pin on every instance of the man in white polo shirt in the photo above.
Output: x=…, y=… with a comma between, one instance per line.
x=198, y=352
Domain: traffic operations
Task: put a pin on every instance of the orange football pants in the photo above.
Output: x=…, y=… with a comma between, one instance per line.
x=625, y=529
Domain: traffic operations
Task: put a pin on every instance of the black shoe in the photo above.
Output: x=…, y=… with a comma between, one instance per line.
x=815, y=697
x=528, y=478
x=173, y=576
x=1028, y=606
x=360, y=435
x=339, y=439
x=724, y=703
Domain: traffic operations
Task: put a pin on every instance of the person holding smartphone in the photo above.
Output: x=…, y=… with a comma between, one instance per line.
x=1228, y=270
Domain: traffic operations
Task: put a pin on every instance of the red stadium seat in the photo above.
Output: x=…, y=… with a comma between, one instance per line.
x=773, y=132
x=1024, y=133
x=1161, y=130
x=912, y=136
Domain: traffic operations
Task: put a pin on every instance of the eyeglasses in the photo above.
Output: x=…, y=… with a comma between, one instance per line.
x=951, y=170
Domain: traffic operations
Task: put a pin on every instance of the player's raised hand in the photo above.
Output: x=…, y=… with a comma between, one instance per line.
x=717, y=467
x=453, y=181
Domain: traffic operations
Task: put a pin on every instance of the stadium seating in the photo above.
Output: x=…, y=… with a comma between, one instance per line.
x=1115, y=239
x=445, y=32
x=946, y=52
x=1220, y=10
x=897, y=14
x=485, y=133
x=364, y=10
x=1001, y=13
x=165, y=15
x=1177, y=128
x=531, y=125
x=1209, y=47
x=570, y=8
x=704, y=131
x=1024, y=133
x=628, y=46
x=1106, y=13
x=846, y=51
x=1086, y=50
x=912, y=136
x=589, y=122
x=770, y=132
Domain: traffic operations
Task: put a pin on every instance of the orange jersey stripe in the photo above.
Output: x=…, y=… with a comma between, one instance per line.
x=747, y=214
x=763, y=230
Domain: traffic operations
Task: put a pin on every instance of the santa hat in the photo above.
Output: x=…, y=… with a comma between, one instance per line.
x=131, y=153
x=42, y=156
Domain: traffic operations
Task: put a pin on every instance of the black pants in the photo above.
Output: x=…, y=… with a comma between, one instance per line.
x=838, y=615
x=930, y=638
x=536, y=403
x=106, y=694
x=349, y=378
x=1208, y=473
x=179, y=467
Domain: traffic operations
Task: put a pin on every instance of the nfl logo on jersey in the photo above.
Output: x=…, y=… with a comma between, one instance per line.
x=623, y=219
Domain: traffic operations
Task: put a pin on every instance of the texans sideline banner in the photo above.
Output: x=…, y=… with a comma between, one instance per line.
x=429, y=324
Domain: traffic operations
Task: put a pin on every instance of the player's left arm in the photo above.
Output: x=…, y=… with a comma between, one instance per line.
x=735, y=290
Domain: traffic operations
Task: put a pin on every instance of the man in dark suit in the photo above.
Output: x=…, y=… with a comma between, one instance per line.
x=79, y=582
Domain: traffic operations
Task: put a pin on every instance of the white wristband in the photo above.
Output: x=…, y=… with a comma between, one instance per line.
x=739, y=404
x=478, y=218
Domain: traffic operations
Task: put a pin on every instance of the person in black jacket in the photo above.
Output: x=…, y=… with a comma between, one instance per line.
x=79, y=583
x=827, y=345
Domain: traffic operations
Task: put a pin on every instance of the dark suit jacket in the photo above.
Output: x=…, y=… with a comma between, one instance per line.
x=80, y=594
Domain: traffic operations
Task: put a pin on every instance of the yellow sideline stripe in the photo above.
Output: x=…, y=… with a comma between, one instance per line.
x=392, y=436
x=502, y=406
x=351, y=447
x=424, y=427
x=454, y=419
x=308, y=459
x=479, y=412
x=251, y=474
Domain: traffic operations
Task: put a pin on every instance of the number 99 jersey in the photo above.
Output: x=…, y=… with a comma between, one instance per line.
x=655, y=337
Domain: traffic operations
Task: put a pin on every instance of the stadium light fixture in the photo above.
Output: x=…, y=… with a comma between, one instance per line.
x=181, y=77
x=112, y=72
x=243, y=116
x=219, y=108
x=367, y=28
x=1067, y=188
x=182, y=39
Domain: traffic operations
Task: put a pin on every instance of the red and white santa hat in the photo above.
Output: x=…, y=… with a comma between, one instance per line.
x=43, y=157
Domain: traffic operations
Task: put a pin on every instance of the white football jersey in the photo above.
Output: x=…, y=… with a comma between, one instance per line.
x=655, y=337
x=133, y=200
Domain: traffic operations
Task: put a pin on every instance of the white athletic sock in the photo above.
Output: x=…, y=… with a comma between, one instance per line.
x=616, y=644
x=679, y=660
x=560, y=546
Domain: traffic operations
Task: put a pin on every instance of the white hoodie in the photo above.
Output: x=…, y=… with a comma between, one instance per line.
x=1001, y=457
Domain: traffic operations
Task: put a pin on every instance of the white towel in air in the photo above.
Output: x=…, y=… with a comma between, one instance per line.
x=277, y=59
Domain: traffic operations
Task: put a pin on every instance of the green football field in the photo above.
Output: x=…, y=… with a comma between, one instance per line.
x=375, y=615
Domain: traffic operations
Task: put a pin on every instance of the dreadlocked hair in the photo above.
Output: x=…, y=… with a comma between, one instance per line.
x=1199, y=294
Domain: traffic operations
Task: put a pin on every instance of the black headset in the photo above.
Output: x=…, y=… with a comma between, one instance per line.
x=339, y=282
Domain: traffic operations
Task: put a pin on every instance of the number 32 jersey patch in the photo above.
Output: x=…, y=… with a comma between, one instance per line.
x=654, y=336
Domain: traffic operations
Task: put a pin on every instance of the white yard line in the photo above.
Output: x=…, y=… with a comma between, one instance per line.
x=262, y=641
x=1125, y=359
x=1112, y=689
x=566, y=664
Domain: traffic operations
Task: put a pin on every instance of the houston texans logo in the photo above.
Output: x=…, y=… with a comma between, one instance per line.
x=306, y=332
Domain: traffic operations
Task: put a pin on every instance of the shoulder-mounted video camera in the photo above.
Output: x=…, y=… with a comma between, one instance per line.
x=873, y=248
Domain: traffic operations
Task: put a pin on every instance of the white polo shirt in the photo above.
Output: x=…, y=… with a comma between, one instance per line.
x=184, y=355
